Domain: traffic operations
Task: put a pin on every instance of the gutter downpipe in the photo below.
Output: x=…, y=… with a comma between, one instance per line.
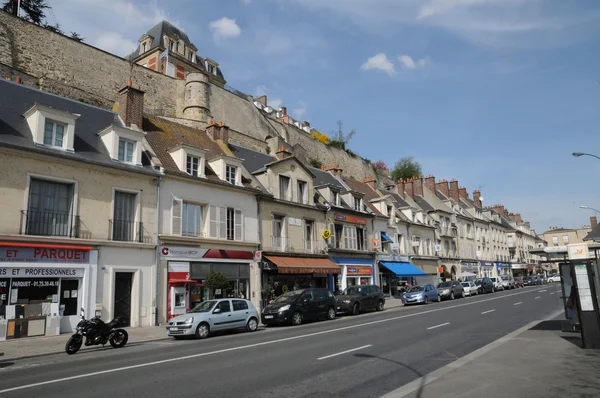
x=259, y=248
x=156, y=252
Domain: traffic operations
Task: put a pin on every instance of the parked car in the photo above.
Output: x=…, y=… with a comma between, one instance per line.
x=508, y=282
x=214, y=315
x=450, y=290
x=485, y=285
x=497, y=284
x=536, y=280
x=421, y=294
x=299, y=305
x=518, y=282
x=554, y=278
x=470, y=288
x=528, y=281
x=355, y=299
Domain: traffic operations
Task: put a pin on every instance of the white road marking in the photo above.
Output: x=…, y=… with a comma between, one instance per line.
x=519, y=303
x=535, y=298
x=438, y=326
x=542, y=290
x=343, y=352
x=264, y=343
x=551, y=292
x=487, y=312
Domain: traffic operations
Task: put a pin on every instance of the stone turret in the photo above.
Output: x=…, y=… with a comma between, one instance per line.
x=196, y=100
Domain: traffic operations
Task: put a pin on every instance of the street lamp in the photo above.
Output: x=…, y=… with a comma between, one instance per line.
x=579, y=154
x=590, y=208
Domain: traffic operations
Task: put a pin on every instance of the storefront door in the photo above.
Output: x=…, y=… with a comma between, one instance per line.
x=69, y=303
x=122, y=303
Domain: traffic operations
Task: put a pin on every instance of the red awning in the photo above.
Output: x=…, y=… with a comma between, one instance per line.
x=304, y=265
x=45, y=246
x=182, y=281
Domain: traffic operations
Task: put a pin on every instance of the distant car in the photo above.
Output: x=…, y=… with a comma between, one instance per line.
x=214, y=315
x=450, y=290
x=485, y=285
x=518, y=282
x=528, y=281
x=554, y=278
x=355, y=299
x=536, y=280
x=421, y=294
x=470, y=288
x=508, y=282
x=299, y=305
x=497, y=284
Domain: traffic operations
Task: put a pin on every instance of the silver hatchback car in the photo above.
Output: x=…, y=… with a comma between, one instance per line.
x=214, y=315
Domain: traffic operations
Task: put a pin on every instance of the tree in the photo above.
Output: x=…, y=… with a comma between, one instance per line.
x=35, y=11
x=77, y=36
x=380, y=165
x=216, y=280
x=406, y=168
x=339, y=139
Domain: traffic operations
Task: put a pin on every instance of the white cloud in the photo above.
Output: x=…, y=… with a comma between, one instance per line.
x=300, y=110
x=409, y=63
x=379, y=62
x=224, y=28
x=275, y=103
x=114, y=43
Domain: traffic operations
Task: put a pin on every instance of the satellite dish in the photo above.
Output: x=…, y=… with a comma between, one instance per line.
x=481, y=198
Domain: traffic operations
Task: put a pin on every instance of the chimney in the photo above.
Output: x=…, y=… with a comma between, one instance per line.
x=262, y=99
x=131, y=105
x=224, y=136
x=18, y=80
x=282, y=153
x=307, y=124
x=476, y=196
x=442, y=186
x=400, y=188
x=408, y=187
x=418, y=186
x=527, y=224
x=462, y=192
x=370, y=181
x=283, y=110
x=335, y=170
x=593, y=222
x=518, y=217
x=453, y=191
x=499, y=209
x=430, y=183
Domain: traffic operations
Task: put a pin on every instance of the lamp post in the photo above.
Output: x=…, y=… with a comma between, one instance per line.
x=590, y=208
x=579, y=154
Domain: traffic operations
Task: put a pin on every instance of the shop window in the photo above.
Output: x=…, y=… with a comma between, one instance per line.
x=240, y=305
x=224, y=306
x=49, y=209
x=68, y=297
x=34, y=291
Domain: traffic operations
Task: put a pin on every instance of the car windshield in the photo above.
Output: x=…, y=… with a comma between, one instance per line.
x=466, y=284
x=417, y=289
x=205, y=306
x=445, y=284
x=349, y=291
x=288, y=297
x=493, y=279
x=478, y=281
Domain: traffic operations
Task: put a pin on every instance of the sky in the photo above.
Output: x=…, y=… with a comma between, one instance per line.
x=494, y=93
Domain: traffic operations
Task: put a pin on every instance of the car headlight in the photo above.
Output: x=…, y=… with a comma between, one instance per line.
x=284, y=308
x=347, y=301
x=189, y=321
x=445, y=291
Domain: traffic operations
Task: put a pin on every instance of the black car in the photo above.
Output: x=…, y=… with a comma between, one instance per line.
x=527, y=281
x=355, y=299
x=484, y=285
x=300, y=305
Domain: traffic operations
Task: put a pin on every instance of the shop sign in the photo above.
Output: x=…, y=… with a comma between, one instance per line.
x=376, y=244
x=4, y=283
x=393, y=258
x=578, y=251
x=359, y=271
x=182, y=252
x=351, y=219
x=43, y=255
x=33, y=272
x=257, y=255
x=35, y=283
x=297, y=222
x=486, y=263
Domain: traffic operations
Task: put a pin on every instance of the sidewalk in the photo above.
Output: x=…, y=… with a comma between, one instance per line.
x=540, y=362
x=39, y=346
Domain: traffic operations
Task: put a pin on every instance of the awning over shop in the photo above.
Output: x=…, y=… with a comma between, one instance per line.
x=386, y=238
x=403, y=269
x=304, y=265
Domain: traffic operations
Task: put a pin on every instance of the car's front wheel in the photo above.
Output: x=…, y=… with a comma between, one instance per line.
x=252, y=325
x=202, y=331
x=297, y=318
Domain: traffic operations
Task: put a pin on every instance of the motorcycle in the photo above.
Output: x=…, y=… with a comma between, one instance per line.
x=96, y=332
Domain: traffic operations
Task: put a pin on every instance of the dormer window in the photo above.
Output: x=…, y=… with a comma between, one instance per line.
x=190, y=56
x=171, y=45
x=210, y=68
x=336, y=198
x=358, y=204
x=123, y=144
x=51, y=127
x=230, y=174
x=228, y=169
x=144, y=45
x=126, y=150
x=192, y=165
x=189, y=160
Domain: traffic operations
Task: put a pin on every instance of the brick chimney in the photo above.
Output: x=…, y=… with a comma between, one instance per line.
x=462, y=192
x=131, y=105
x=593, y=221
x=218, y=131
x=335, y=170
x=453, y=191
x=400, y=188
x=283, y=111
x=282, y=153
x=430, y=183
x=408, y=188
x=499, y=209
x=370, y=181
x=476, y=196
x=262, y=99
x=418, y=186
x=442, y=186
x=518, y=217
x=307, y=124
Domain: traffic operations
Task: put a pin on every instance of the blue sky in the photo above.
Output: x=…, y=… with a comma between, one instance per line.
x=494, y=93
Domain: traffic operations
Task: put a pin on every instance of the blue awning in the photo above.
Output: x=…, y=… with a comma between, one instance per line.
x=351, y=261
x=404, y=269
x=386, y=238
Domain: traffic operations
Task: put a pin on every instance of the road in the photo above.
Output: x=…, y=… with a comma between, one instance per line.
x=361, y=356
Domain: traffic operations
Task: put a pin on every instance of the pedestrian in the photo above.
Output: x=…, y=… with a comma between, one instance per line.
x=242, y=295
x=572, y=306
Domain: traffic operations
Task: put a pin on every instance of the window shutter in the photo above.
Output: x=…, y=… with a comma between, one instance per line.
x=239, y=232
x=347, y=237
x=222, y=222
x=331, y=228
x=213, y=221
x=354, y=238
x=176, y=217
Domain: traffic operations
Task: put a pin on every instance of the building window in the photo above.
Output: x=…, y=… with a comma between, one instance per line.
x=338, y=230
x=278, y=239
x=126, y=149
x=230, y=174
x=357, y=204
x=416, y=244
x=123, y=222
x=350, y=235
x=143, y=47
x=49, y=209
x=210, y=68
x=308, y=236
x=284, y=188
x=191, y=219
x=171, y=45
x=361, y=239
x=190, y=56
x=192, y=165
x=566, y=239
x=302, y=192
x=54, y=134
x=428, y=247
x=336, y=198
x=225, y=223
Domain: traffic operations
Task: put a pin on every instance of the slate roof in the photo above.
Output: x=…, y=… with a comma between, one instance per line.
x=364, y=188
x=325, y=178
x=423, y=204
x=253, y=160
x=399, y=200
x=16, y=99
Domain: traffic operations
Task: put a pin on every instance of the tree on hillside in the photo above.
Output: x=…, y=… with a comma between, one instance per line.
x=35, y=11
x=340, y=139
x=405, y=168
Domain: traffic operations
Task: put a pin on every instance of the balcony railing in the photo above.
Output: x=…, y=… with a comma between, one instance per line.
x=445, y=231
x=126, y=231
x=279, y=244
x=49, y=224
x=314, y=246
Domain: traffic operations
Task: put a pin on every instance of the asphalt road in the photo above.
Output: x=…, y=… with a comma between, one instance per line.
x=362, y=356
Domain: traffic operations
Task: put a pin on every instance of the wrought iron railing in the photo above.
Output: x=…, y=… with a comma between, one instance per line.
x=47, y=223
x=126, y=231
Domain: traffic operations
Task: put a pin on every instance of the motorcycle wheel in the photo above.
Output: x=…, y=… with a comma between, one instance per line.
x=119, y=338
x=73, y=344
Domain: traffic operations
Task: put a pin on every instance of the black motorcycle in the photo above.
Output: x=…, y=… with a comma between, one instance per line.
x=96, y=332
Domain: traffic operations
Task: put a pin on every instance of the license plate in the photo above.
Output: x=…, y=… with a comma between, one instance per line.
x=173, y=329
x=268, y=316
